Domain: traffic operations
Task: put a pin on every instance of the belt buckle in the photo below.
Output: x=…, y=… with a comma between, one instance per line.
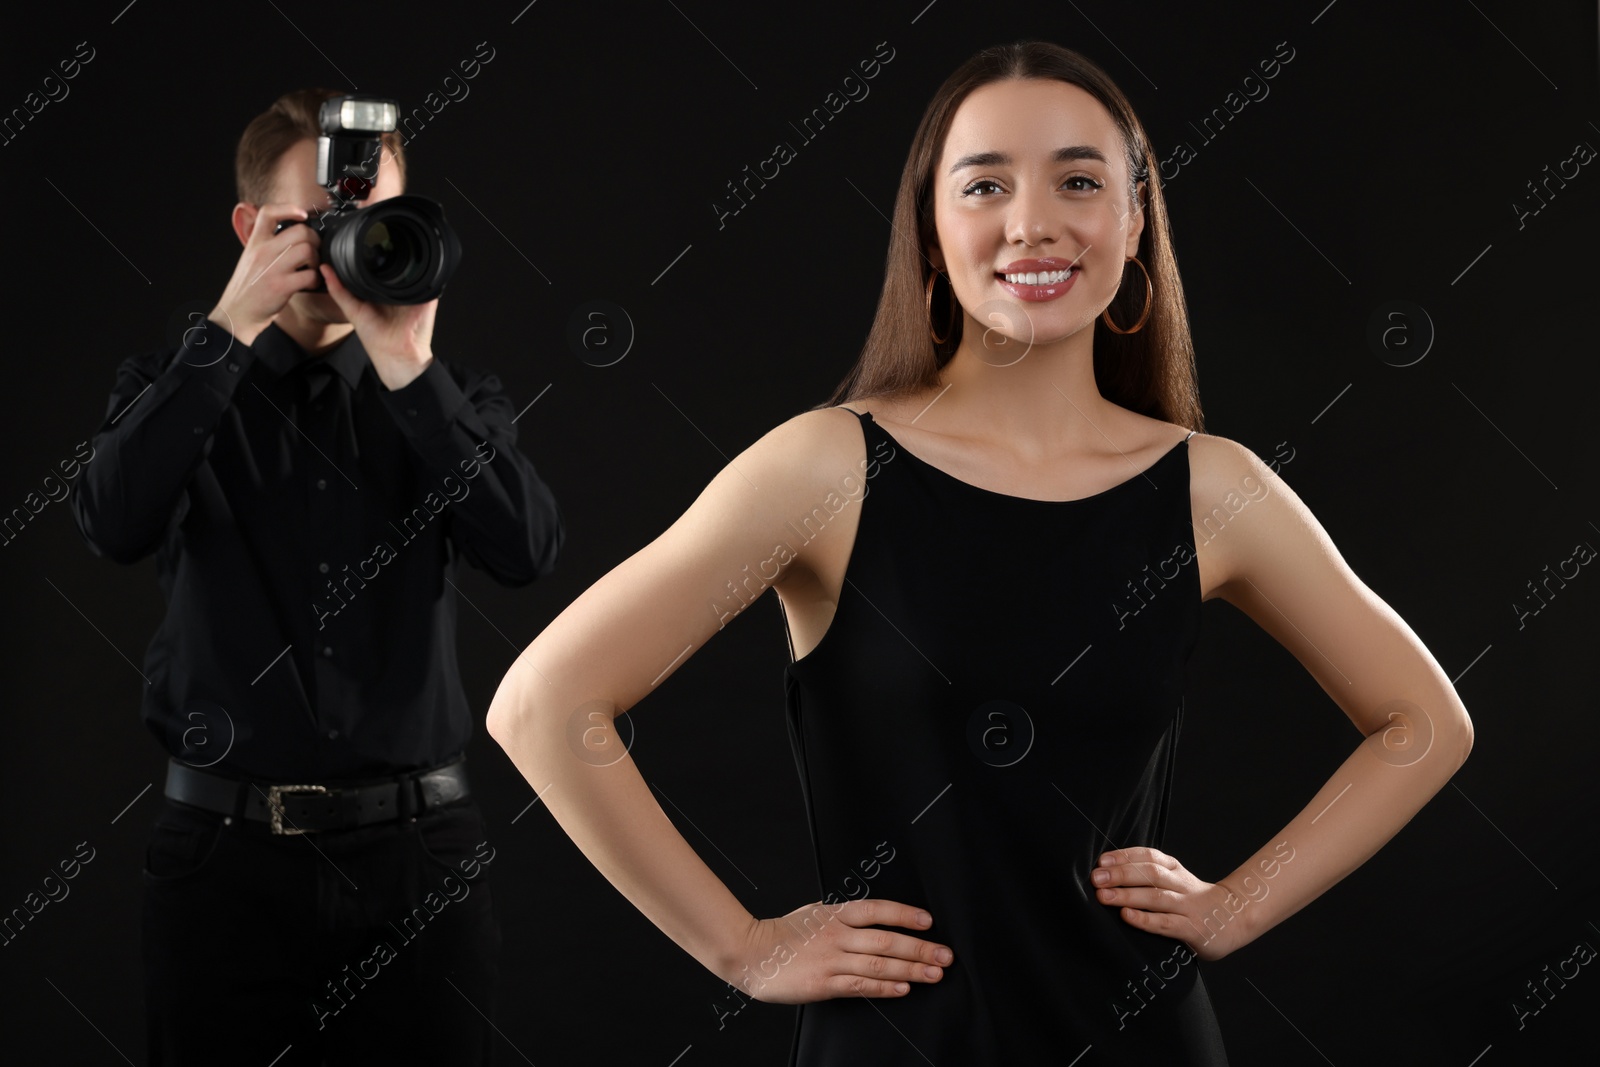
x=275, y=805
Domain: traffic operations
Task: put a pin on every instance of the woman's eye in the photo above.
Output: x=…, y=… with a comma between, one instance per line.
x=1078, y=183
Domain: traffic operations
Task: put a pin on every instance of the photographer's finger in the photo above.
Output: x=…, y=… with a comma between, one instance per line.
x=295, y=237
x=347, y=301
x=288, y=267
x=336, y=287
x=269, y=215
x=310, y=278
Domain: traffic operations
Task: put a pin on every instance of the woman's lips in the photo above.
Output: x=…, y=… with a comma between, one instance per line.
x=1037, y=293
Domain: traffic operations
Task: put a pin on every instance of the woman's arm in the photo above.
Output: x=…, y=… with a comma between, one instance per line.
x=1272, y=560
x=626, y=635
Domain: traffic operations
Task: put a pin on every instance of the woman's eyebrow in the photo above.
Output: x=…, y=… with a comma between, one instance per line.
x=1000, y=159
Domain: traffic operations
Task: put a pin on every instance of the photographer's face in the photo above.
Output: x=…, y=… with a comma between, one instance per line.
x=295, y=182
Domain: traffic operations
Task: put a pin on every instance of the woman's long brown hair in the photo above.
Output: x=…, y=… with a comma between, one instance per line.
x=1151, y=372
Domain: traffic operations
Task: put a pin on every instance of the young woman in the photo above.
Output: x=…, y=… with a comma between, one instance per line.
x=991, y=548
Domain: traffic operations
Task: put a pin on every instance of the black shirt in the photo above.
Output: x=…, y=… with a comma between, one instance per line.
x=306, y=522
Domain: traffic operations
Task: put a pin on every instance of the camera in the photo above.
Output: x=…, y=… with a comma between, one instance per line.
x=396, y=251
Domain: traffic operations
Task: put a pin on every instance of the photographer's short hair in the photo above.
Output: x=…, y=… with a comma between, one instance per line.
x=291, y=118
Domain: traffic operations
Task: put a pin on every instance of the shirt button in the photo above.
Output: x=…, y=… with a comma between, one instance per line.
x=333, y=735
x=412, y=412
x=198, y=430
x=322, y=483
x=234, y=367
x=323, y=567
x=327, y=650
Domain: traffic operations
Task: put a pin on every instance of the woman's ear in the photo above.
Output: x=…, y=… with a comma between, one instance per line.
x=1136, y=219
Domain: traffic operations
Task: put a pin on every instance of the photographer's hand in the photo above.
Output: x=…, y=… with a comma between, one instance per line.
x=398, y=337
x=268, y=272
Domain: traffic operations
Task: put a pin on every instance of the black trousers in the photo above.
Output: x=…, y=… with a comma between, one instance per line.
x=372, y=945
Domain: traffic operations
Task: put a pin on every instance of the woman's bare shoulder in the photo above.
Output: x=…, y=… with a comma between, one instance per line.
x=822, y=432
x=1220, y=465
x=810, y=451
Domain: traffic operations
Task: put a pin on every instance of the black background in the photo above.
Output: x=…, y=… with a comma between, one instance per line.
x=1384, y=166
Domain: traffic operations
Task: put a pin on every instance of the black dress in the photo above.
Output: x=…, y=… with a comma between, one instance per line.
x=995, y=703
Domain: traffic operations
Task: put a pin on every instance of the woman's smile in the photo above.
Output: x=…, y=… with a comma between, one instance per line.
x=1037, y=279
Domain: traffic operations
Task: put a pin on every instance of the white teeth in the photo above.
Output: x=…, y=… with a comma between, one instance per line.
x=1040, y=278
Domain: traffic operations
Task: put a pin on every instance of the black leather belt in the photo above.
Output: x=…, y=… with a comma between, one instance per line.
x=299, y=808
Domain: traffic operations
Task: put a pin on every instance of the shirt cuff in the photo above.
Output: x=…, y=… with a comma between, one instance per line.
x=427, y=405
x=211, y=356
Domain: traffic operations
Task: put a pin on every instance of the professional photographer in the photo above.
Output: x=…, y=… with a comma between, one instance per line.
x=308, y=475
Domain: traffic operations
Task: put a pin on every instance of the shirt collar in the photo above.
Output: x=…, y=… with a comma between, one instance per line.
x=283, y=354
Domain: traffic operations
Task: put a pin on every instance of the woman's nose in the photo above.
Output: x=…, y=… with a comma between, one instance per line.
x=1033, y=216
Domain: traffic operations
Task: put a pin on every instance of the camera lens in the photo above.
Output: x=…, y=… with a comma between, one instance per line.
x=394, y=252
x=397, y=251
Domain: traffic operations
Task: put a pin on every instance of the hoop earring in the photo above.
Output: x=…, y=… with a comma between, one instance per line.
x=1149, y=296
x=928, y=305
